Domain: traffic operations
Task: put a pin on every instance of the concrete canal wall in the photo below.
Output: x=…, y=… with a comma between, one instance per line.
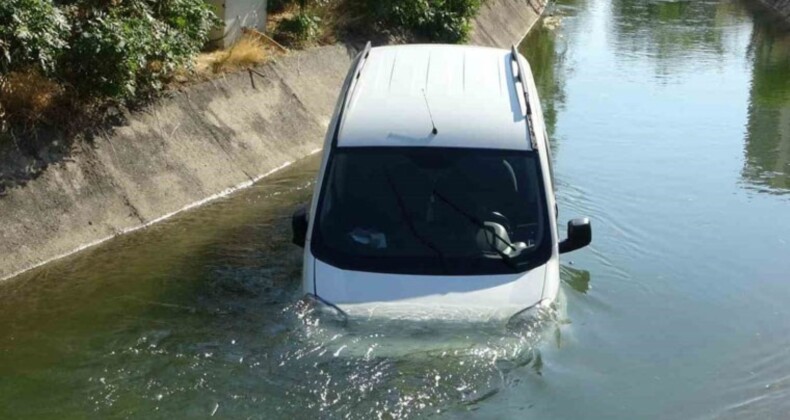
x=194, y=146
x=502, y=23
x=197, y=144
x=780, y=7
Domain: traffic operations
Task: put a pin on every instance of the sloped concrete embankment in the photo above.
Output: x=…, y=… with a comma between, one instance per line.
x=199, y=143
x=503, y=23
x=194, y=146
x=781, y=8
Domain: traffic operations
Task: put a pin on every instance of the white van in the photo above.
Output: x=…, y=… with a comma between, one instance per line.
x=435, y=193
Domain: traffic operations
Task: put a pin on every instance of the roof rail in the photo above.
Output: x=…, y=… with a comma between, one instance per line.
x=524, y=90
x=349, y=86
x=363, y=58
x=520, y=77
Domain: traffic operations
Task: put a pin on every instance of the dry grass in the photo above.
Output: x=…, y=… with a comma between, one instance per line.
x=246, y=52
x=27, y=97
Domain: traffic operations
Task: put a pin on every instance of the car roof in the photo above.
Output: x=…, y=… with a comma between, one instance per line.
x=470, y=93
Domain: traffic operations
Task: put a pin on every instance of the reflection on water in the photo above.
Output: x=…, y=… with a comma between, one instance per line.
x=547, y=57
x=673, y=34
x=767, y=163
x=578, y=280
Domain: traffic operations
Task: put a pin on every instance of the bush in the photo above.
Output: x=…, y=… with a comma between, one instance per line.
x=109, y=54
x=32, y=33
x=111, y=49
x=299, y=30
x=192, y=19
x=436, y=20
x=127, y=52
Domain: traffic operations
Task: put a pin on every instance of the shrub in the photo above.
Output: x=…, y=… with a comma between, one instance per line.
x=32, y=33
x=192, y=19
x=437, y=20
x=299, y=30
x=126, y=52
x=110, y=53
x=120, y=49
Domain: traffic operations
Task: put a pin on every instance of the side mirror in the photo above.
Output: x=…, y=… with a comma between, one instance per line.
x=579, y=235
x=299, y=222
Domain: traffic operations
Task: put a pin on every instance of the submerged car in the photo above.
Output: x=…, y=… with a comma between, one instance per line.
x=435, y=194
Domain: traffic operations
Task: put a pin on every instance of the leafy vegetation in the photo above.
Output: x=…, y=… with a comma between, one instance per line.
x=72, y=55
x=299, y=30
x=429, y=20
x=95, y=50
x=32, y=33
x=436, y=20
x=127, y=52
x=298, y=22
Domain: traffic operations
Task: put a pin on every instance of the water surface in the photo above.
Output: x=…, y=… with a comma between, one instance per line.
x=670, y=123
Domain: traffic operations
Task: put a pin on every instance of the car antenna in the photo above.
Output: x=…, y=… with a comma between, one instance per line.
x=434, y=131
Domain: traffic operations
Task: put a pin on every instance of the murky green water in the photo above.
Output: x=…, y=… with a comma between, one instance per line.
x=671, y=128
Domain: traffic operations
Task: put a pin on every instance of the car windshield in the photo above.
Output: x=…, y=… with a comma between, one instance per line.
x=429, y=210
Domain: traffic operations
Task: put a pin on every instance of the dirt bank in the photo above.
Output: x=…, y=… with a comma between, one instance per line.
x=191, y=147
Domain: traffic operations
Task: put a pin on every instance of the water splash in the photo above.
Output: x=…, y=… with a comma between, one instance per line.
x=382, y=368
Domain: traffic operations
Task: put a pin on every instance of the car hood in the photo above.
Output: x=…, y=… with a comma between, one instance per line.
x=422, y=296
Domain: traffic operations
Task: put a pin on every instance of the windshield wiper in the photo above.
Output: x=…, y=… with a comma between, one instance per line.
x=505, y=258
x=410, y=223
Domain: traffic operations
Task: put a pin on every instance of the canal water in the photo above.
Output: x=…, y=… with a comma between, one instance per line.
x=670, y=123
